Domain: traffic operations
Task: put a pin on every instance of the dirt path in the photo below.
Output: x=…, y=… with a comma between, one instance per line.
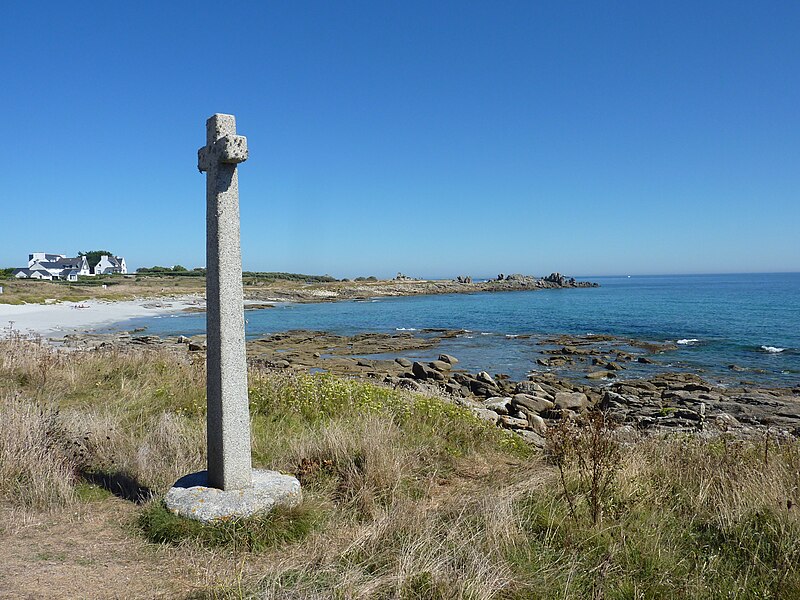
x=90, y=552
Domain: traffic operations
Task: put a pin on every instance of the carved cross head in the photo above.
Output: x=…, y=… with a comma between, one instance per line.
x=222, y=144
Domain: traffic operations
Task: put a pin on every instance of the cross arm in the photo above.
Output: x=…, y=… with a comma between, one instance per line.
x=231, y=149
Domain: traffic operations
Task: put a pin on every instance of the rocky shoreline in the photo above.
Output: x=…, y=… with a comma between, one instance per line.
x=403, y=286
x=665, y=402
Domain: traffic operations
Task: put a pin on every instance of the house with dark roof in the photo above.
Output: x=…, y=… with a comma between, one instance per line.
x=33, y=274
x=110, y=264
x=43, y=265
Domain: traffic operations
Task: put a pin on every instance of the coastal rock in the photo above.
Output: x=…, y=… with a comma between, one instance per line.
x=575, y=401
x=403, y=362
x=533, y=438
x=534, y=403
x=422, y=371
x=600, y=375
x=533, y=388
x=440, y=365
x=537, y=424
x=513, y=422
x=484, y=377
x=452, y=360
x=499, y=405
x=486, y=415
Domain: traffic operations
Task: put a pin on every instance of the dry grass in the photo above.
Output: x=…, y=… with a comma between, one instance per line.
x=21, y=291
x=411, y=497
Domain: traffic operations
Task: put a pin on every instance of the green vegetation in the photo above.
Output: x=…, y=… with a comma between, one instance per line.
x=405, y=495
x=257, y=276
x=254, y=534
x=176, y=270
x=6, y=273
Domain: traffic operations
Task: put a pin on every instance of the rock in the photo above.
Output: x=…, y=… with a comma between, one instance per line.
x=182, y=339
x=486, y=415
x=537, y=423
x=532, y=438
x=497, y=404
x=600, y=375
x=725, y=421
x=576, y=401
x=421, y=371
x=440, y=365
x=281, y=364
x=191, y=498
x=532, y=403
x=486, y=378
x=193, y=347
x=403, y=362
x=531, y=387
x=448, y=359
x=513, y=423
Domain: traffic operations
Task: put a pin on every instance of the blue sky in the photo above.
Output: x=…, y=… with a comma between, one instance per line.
x=432, y=138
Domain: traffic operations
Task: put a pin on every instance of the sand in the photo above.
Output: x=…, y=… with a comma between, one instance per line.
x=64, y=317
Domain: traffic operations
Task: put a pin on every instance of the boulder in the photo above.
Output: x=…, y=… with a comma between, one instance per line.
x=513, y=422
x=538, y=403
x=498, y=404
x=420, y=371
x=484, y=377
x=600, y=375
x=440, y=365
x=532, y=438
x=403, y=362
x=486, y=415
x=537, y=423
x=531, y=387
x=576, y=401
x=448, y=359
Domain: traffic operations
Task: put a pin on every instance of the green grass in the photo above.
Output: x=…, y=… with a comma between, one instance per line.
x=252, y=534
x=407, y=495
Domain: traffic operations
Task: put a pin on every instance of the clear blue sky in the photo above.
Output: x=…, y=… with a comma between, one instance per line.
x=433, y=138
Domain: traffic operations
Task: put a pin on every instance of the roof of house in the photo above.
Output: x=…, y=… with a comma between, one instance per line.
x=64, y=263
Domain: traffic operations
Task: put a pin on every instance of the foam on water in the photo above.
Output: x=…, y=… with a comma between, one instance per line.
x=772, y=349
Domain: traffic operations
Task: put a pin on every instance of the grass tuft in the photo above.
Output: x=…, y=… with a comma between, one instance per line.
x=252, y=534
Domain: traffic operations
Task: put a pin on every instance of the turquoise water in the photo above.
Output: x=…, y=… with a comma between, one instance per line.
x=752, y=321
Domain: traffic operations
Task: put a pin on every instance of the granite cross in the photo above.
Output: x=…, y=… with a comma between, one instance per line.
x=228, y=421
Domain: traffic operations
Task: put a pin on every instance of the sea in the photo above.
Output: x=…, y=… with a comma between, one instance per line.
x=727, y=328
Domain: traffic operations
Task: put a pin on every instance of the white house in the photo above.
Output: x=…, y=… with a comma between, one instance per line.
x=43, y=265
x=110, y=264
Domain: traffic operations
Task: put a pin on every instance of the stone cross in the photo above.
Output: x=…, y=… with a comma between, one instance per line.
x=228, y=421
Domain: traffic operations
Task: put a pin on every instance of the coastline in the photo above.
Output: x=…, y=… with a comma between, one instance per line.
x=97, y=307
x=87, y=315
x=662, y=402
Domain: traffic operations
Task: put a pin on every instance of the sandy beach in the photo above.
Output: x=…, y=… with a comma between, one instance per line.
x=63, y=317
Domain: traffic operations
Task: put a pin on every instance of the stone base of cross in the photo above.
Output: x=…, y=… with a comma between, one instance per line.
x=230, y=487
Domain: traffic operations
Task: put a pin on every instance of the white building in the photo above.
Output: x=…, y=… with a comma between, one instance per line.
x=110, y=264
x=43, y=265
